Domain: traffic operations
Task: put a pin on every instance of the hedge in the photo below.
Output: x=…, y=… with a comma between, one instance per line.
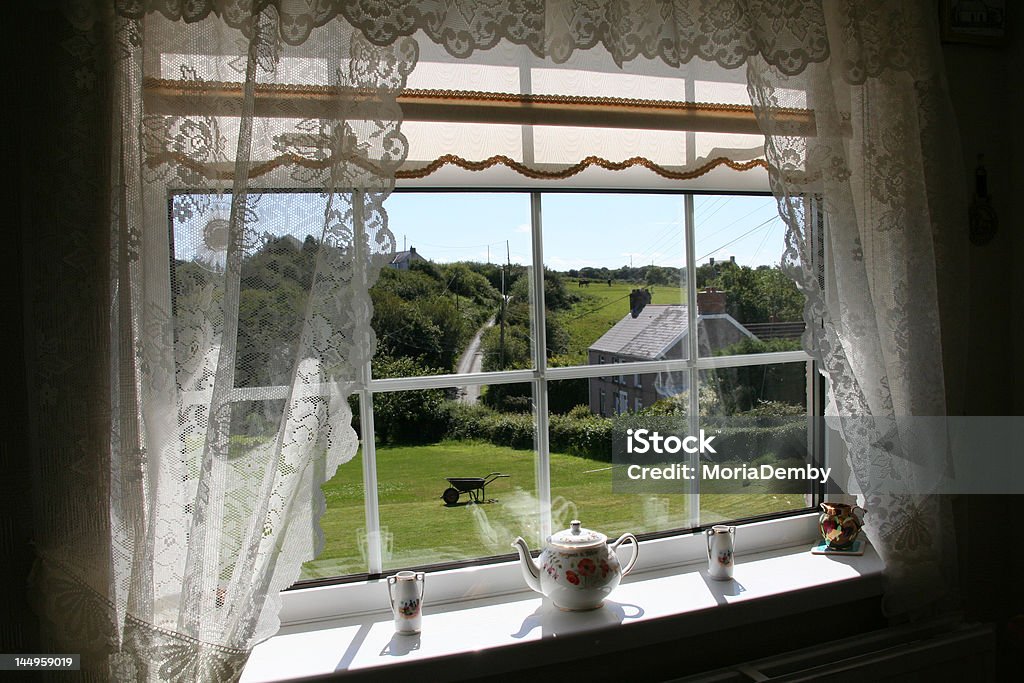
x=737, y=439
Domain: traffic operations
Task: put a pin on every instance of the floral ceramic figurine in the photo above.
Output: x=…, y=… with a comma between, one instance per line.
x=406, y=592
x=721, y=548
x=839, y=524
x=578, y=568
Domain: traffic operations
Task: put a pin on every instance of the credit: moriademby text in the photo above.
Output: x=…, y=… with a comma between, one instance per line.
x=734, y=457
x=744, y=472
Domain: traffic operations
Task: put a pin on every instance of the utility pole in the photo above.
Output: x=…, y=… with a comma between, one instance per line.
x=501, y=334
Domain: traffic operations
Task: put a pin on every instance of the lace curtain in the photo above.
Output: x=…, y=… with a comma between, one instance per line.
x=164, y=545
x=165, y=536
x=878, y=171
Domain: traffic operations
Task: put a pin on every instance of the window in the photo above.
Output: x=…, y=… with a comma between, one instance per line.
x=489, y=364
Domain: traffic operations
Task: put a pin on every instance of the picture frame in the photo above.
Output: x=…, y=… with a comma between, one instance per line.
x=981, y=22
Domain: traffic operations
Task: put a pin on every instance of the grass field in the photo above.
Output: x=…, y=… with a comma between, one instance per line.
x=419, y=529
x=601, y=307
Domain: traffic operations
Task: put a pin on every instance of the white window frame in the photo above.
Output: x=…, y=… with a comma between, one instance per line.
x=300, y=606
x=541, y=374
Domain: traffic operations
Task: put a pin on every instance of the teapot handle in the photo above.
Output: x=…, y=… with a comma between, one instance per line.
x=636, y=550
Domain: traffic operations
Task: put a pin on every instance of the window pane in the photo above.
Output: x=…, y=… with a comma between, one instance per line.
x=424, y=438
x=455, y=298
x=344, y=519
x=278, y=261
x=746, y=303
x=613, y=278
x=586, y=417
x=759, y=416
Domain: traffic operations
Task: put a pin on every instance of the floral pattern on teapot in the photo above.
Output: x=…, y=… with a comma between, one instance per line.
x=585, y=569
x=577, y=568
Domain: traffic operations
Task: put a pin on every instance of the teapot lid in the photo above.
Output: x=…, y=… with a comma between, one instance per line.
x=577, y=537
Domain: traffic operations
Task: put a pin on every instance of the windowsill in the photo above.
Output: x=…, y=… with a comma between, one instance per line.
x=668, y=602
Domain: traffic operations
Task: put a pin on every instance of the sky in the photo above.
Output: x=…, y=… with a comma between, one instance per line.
x=580, y=229
x=587, y=229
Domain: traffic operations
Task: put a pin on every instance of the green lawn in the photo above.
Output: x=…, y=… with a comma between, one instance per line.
x=601, y=307
x=420, y=529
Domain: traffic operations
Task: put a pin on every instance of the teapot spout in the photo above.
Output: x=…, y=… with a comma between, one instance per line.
x=531, y=572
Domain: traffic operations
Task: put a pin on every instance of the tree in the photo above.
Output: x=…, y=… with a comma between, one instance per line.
x=416, y=416
x=754, y=295
x=742, y=389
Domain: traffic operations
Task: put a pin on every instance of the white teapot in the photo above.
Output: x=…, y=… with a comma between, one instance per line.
x=577, y=568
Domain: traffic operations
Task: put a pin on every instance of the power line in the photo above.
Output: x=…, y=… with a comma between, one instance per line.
x=767, y=234
x=727, y=199
x=657, y=241
x=733, y=241
x=459, y=246
x=726, y=227
x=655, y=250
x=594, y=310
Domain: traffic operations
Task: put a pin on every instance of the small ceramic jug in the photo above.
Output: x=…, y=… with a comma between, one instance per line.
x=721, y=548
x=406, y=592
x=839, y=524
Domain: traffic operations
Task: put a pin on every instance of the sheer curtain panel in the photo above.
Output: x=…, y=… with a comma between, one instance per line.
x=201, y=505
x=177, y=459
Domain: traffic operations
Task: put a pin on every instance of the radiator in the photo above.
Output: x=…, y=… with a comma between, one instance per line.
x=907, y=653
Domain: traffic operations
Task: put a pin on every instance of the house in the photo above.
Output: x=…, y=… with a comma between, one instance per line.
x=658, y=331
x=403, y=259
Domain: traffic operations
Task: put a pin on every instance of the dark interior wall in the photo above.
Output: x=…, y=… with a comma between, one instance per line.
x=985, y=87
x=19, y=631
x=989, y=103
x=980, y=86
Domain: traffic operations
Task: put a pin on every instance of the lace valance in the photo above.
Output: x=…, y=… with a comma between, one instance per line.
x=789, y=34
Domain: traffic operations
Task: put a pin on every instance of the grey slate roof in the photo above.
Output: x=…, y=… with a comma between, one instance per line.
x=402, y=256
x=658, y=328
x=648, y=335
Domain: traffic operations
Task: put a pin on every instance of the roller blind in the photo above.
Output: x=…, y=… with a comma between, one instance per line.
x=505, y=118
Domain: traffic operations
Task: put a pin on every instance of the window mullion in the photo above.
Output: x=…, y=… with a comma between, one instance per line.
x=374, y=559
x=540, y=389
x=693, y=507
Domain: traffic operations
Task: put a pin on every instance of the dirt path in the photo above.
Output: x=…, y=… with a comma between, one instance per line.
x=472, y=360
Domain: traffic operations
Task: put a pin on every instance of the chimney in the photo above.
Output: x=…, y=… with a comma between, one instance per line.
x=711, y=261
x=412, y=251
x=732, y=259
x=710, y=301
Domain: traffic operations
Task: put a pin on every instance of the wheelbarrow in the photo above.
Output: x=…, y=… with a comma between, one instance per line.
x=474, y=487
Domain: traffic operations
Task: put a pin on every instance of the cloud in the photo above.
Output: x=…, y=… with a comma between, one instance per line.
x=523, y=227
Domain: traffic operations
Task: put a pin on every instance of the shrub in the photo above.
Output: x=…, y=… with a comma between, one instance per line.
x=588, y=437
x=416, y=416
x=514, y=430
x=580, y=412
x=569, y=395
